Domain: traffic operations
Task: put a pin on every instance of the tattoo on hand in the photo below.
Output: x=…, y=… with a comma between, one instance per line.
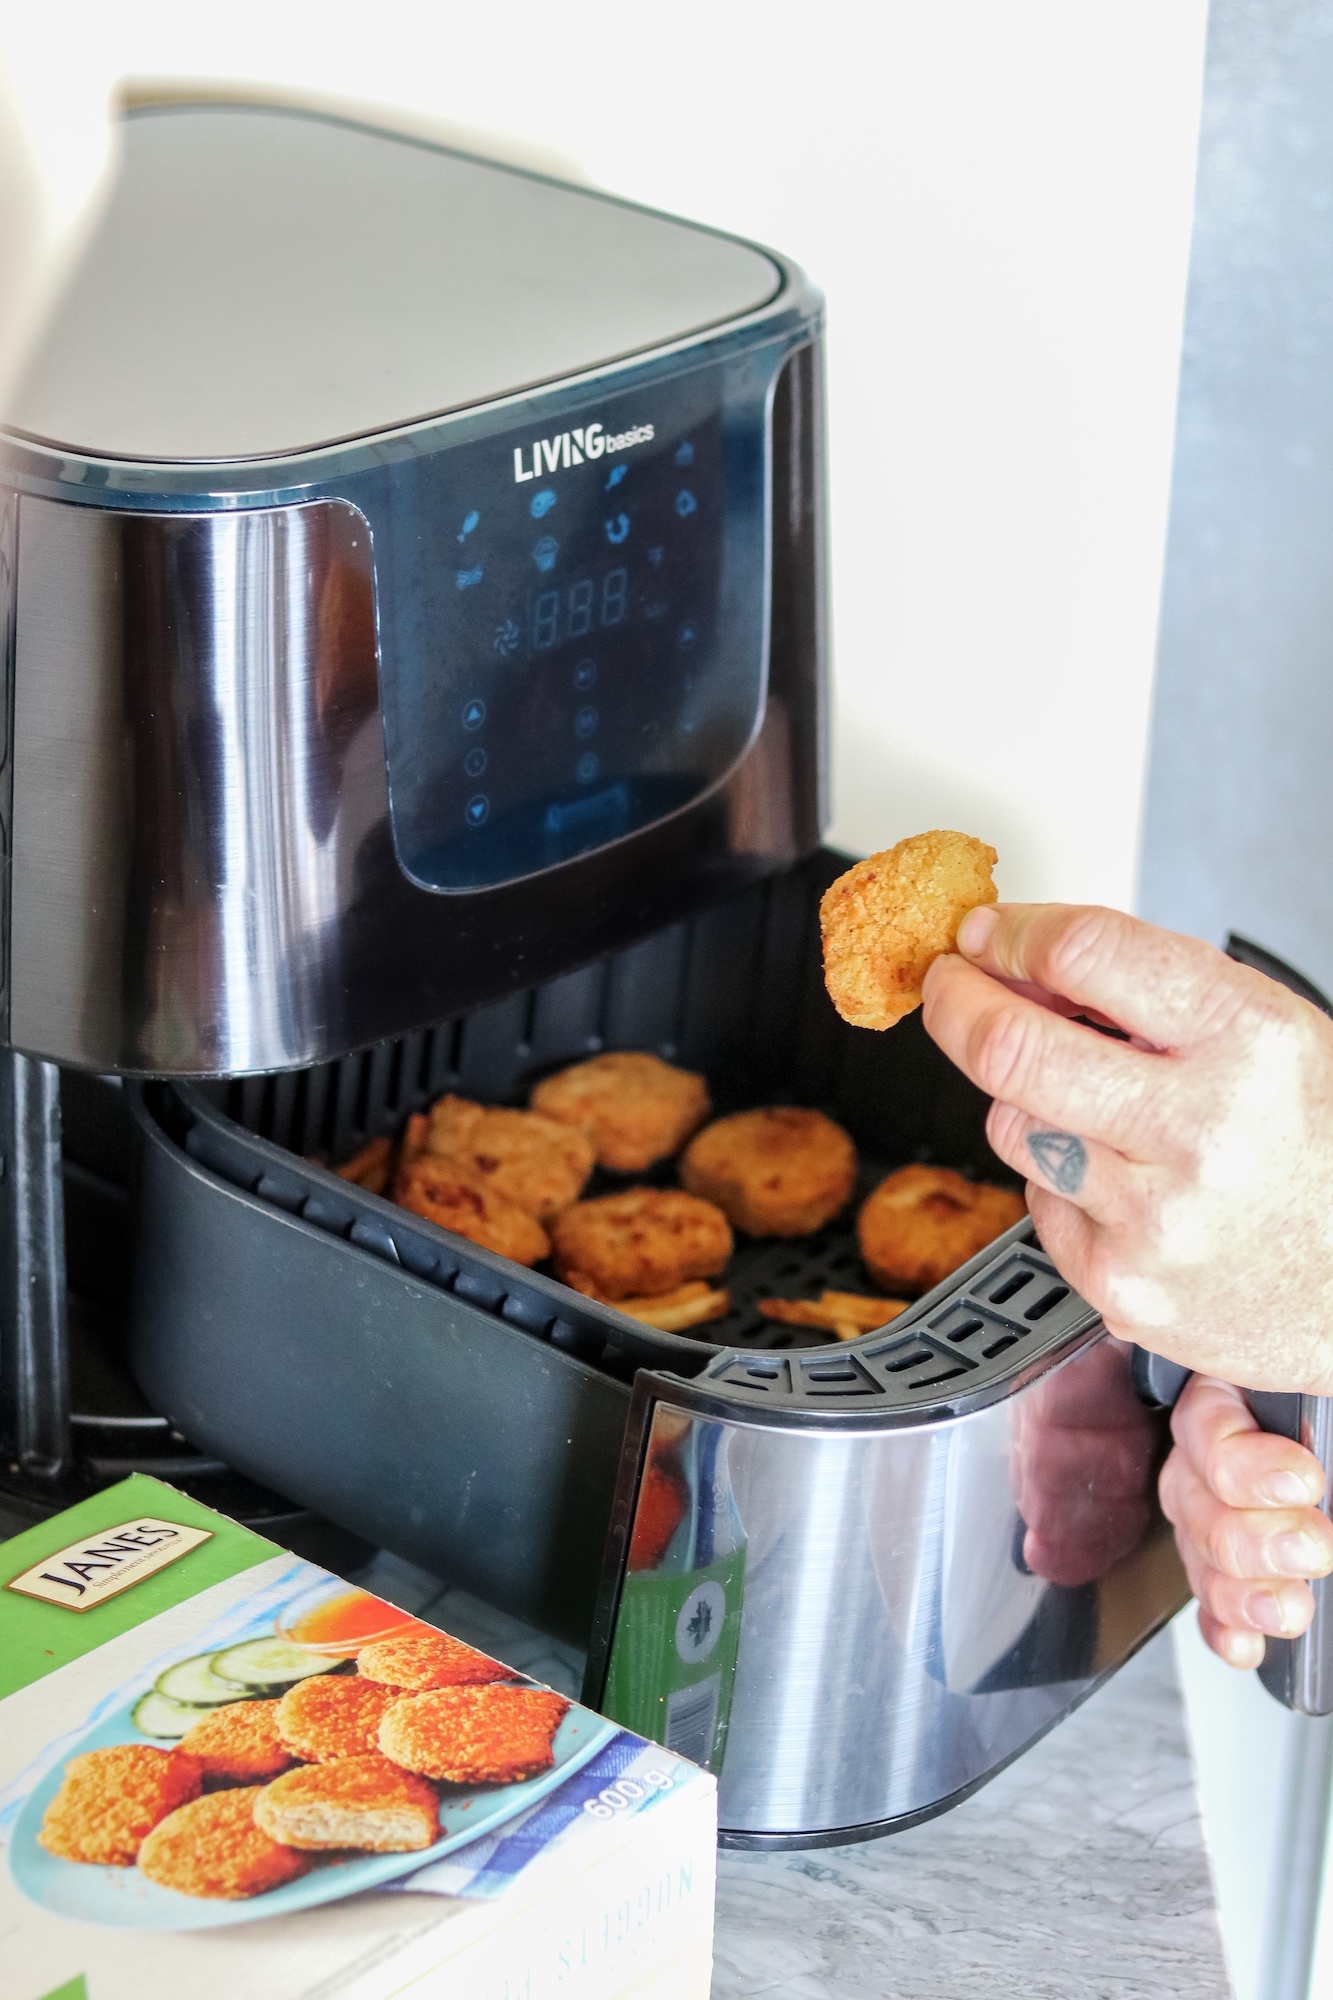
x=1062, y=1158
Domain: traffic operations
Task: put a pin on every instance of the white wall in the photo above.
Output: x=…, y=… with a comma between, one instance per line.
x=996, y=198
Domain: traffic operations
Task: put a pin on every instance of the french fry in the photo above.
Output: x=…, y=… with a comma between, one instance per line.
x=370, y=1168
x=846, y=1314
x=688, y=1305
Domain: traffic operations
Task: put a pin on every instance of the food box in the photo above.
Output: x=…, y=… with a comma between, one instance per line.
x=224, y=1771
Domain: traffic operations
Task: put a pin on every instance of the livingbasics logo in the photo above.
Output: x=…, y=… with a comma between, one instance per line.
x=572, y=447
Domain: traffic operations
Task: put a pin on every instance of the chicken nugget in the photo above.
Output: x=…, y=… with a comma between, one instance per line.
x=238, y=1744
x=364, y=1802
x=635, y=1108
x=327, y=1716
x=887, y=919
x=921, y=1223
x=474, y=1736
x=214, y=1848
x=535, y=1162
x=110, y=1801
x=418, y=1660
x=641, y=1243
x=848, y=1314
x=456, y=1197
x=781, y=1171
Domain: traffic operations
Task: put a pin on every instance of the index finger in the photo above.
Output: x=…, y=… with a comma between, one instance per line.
x=1153, y=983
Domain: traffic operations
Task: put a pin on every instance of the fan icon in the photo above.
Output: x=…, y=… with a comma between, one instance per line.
x=506, y=638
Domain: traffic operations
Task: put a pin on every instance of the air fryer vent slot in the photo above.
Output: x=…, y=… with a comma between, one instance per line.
x=1007, y=1308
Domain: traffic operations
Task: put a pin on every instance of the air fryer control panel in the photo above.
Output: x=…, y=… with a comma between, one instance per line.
x=589, y=651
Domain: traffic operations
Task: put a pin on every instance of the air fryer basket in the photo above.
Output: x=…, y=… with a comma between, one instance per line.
x=422, y=1392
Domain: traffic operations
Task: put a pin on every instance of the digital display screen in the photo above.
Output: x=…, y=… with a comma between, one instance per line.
x=567, y=690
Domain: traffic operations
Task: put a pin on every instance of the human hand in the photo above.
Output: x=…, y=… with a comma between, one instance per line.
x=1181, y=1180
x=1249, y=1531
x=1082, y=1468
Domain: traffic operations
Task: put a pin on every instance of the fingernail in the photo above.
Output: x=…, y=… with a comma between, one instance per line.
x=1242, y=1649
x=1288, y=1489
x=974, y=933
x=1270, y=1612
x=1298, y=1555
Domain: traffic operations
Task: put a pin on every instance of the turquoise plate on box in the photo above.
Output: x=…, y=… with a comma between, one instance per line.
x=124, y=1898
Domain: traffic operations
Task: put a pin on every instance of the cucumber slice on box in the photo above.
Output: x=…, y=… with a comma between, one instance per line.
x=263, y=1663
x=194, y=1681
x=158, y=1715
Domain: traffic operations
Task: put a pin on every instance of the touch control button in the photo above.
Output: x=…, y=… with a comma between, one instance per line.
x=587, y=768
x=474, y=714
x=585, y=722
x=585, y=674
x=475, y=763
x=478, y=810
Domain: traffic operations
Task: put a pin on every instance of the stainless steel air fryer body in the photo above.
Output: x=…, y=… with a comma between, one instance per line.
x=858, y=1582
x=413, y=570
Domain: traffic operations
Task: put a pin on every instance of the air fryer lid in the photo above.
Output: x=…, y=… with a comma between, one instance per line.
x=266, y=281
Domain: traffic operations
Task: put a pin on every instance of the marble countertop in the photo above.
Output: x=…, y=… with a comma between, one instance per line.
x=1080, y=1873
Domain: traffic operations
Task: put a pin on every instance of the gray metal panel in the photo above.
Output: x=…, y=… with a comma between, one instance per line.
x=266, y=281
x=1239, y=815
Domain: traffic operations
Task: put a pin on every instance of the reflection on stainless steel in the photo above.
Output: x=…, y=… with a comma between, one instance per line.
x=198, y=763
x=897, y=1640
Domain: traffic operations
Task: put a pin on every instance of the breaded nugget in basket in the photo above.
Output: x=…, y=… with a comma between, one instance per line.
x=213, y=1848
x=781, y=1171
x=641, y=1243
x=451, y=1194
x=921, y=1223
x=848, y=1314
x=474, y=1736
x=328, y=1716
x=111, y=1800
x=890, y=916
x=635, y=1108
x=418, y=1660
x=535, y=1162
x=364, y=1802
x=238, y=1744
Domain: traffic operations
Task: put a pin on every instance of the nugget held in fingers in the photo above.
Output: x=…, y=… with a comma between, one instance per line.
x=111, y=1800
x=922, y=1222
x=641, y=1243
x=781, y=1171
x=453, y=1195
x=887, y=919
x=360, y=1802
x=537, y=1163
x=635, y=1108
x=474, y=1736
